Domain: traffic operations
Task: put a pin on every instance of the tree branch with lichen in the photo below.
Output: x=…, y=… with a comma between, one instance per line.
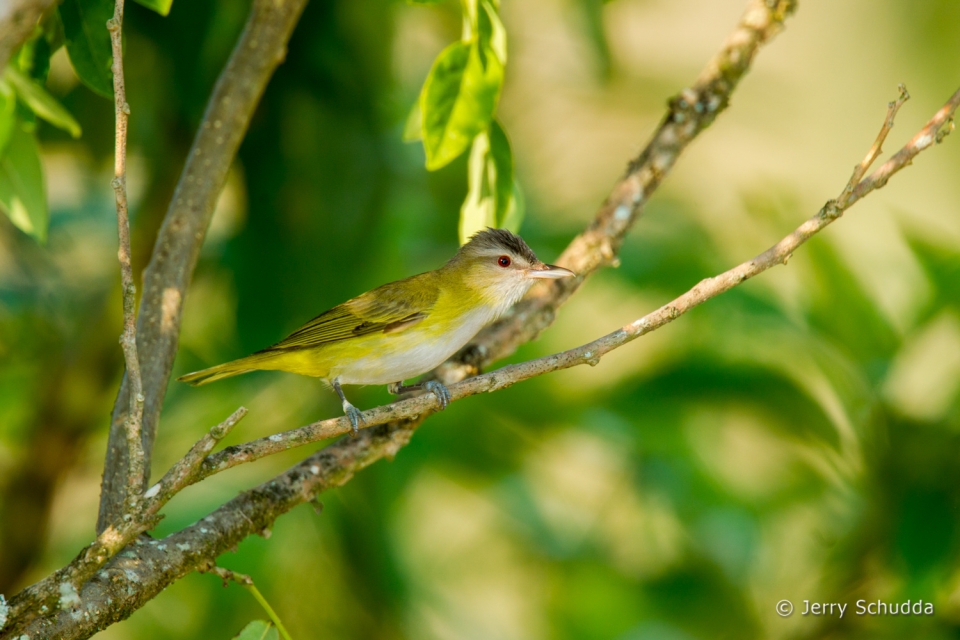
x=48, y=594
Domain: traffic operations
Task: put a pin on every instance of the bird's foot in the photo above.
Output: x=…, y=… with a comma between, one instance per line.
x=440, y=390
x=355, y=416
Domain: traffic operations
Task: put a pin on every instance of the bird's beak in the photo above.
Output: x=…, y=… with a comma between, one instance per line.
x=549, y=272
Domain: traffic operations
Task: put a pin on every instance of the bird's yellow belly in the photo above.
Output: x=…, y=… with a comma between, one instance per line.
x=384, y=358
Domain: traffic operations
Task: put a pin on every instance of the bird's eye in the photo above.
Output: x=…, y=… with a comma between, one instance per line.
x=503, y=261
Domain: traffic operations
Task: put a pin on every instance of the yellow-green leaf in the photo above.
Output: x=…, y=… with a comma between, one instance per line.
x=492, y=198
x=477, y=212
x=501, y=160
x=22, y=194
x=458, y=100
x=41, y=102
x=513, y=217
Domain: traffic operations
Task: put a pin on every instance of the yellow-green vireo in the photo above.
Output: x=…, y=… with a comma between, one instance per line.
x=407, y=327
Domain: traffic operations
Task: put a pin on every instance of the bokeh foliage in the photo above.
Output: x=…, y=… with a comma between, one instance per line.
x=795, y=438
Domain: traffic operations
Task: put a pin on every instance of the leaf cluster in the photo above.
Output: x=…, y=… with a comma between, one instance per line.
x=81, y=27
x=456, y=112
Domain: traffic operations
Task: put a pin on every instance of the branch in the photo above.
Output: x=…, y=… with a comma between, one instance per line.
x=259, y=50
x=18, y=18
x=128, y=339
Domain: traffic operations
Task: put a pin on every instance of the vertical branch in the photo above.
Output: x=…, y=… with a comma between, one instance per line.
x=261, y=47
x=128, y=339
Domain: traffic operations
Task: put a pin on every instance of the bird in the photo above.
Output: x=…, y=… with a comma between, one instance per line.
x=405, y=328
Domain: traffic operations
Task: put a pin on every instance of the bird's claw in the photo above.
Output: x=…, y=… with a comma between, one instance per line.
x=438, y=389
x=355, y=416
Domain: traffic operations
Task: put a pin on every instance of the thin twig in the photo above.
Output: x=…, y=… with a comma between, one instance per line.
x=861, y=169
x=245, y=581
x=128, y=339
x=936, y=130
x=187, y=470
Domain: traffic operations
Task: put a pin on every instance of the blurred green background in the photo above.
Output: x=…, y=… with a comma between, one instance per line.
x=796, y=438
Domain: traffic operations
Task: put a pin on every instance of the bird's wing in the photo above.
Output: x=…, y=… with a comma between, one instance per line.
x=392, y=308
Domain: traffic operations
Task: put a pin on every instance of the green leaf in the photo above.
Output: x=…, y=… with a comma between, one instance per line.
x=8, y=112
x=160, y=6
x=22, y=194
x=492, y=199
x=258, y=630
x=458, y=100
x=424, y=1
x=88, y=42
x=41, y=102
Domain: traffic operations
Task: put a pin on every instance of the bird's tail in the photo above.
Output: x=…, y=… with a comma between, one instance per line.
x=219, y=372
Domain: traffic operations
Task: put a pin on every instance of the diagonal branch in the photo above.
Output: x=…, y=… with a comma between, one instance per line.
x=260, y=49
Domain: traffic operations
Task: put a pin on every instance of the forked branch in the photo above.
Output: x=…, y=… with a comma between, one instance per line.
x=49, y=593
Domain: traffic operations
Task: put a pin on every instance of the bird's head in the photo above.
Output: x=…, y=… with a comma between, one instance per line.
x=500, y=267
